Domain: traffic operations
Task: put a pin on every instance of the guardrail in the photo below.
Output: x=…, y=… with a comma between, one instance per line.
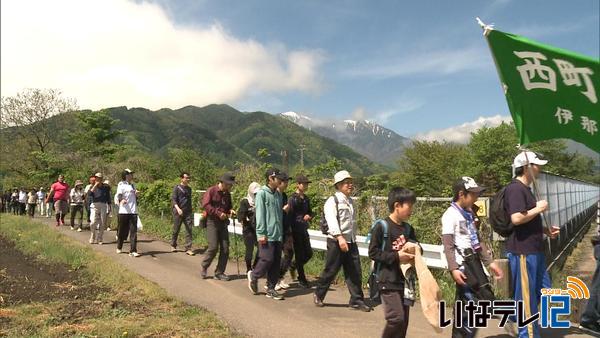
x=433, y=255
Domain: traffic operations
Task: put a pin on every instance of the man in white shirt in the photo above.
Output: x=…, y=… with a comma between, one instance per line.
x=342, y=250
x=126, y=197
x=41, y=197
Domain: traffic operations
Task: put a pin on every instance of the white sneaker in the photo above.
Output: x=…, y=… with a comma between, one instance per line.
x=79, y=230
x=91, y=241
x=100, y=243
x=134, y=254
x=107, y=229
x=282, y=285
x=119, y=251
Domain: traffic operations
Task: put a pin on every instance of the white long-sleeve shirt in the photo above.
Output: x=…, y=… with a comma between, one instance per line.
x=347, y=225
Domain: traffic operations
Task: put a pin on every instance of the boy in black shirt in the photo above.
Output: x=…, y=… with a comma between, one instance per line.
x=400, y=242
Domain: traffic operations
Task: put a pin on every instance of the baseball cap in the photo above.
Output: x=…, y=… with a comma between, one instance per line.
x=340, y=176
x=468, y=184
x=284, y=176
x=274, y=172
x=302, y=179
x=528, y=157
x=227, y=178
x=99, y=175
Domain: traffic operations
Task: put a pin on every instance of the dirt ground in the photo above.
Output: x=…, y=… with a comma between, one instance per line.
x=25, y=280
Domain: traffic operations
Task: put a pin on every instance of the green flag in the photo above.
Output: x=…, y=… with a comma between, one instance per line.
x=551, y=92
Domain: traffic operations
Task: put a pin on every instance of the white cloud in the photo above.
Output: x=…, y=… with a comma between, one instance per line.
x=117, y=52
x=436, y=62
x=462, y=133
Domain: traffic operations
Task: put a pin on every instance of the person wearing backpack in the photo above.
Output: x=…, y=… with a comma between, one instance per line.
x=246, y=216
x=181, y=200
x=465, y=252
x=301, y=214
x=269, y=233
x=390, y=240
x=525, y=244
x=342, y=250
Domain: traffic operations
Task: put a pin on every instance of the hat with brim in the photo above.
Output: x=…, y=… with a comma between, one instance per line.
x=99, y=175
x=302, y=179
x=227, y=178
x=78, y=182
x=471, y=186
x=274, y=172
x=341, y=176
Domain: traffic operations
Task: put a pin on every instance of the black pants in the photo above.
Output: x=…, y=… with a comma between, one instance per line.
x=302, y=251
x=269, y=259
x=127, y=226
x=31, y=210
x=350, y=262
x=250, y=243
x=88, y=212
x=187, y=218
x=396, y=314
x=22, y=208
x=287, y=254
x=76, y=209
x=218, y=239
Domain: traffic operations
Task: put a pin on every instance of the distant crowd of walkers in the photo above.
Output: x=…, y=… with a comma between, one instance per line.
x=276, y=238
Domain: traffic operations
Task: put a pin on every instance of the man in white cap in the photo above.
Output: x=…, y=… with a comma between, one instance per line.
x=342, y=250
x=525, y=245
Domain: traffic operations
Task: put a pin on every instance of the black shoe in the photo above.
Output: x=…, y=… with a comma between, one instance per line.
x=361, y=306
x=271, y=293
x=304, y=284
x=222, y=276
x=318, y=301
x=203, y=273
x=591, y=328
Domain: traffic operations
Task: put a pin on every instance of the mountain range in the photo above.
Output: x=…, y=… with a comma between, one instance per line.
x=368, y=138
x=228, y=136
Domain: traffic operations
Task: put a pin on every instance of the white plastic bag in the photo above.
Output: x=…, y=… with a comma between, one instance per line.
x=140, y=226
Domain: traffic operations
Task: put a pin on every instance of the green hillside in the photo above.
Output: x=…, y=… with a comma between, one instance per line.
x=228, y=136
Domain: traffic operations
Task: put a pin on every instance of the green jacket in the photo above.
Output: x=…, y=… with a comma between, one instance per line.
x=269, y=214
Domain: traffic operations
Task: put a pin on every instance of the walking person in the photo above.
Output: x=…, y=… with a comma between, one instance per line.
x=14, y=201
x=393, y=242
x=342, y=250
x=101, y=200
x=246, y=215
x=217, y=204
x=59, y=192
x=41, y=201
x=126, y=196
x=301, y=214
x=465, y=252
x=269, y=233
x=287, y=239
x=88, y=203
x=77, y=199
x=31, y=202
x=108, y=217
x=525, y=245
x=181, y=200
x=22, y=201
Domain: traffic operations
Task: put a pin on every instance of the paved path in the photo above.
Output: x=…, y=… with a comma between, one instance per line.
x=257, y=315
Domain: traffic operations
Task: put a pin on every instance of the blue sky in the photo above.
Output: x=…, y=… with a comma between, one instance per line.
x=412, y=65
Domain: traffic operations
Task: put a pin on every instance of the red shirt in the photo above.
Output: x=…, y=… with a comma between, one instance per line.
x=216, y=202
x=61, y=191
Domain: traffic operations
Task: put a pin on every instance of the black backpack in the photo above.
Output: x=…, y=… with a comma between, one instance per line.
x=499, y=218
x=324, y=225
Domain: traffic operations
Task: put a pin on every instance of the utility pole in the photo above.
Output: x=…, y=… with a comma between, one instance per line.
x=286, y=166
x=302, y=149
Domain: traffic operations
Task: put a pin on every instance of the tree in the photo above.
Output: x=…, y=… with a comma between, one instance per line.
x=29, y=113
x=95, y=134
x=430, y=168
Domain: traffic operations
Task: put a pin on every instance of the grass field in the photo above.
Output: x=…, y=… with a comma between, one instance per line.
x=74, y=291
